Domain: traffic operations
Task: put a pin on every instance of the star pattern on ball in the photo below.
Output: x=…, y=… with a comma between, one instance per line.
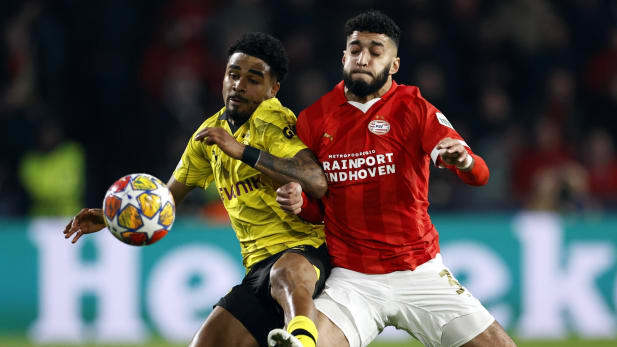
x=130, y=198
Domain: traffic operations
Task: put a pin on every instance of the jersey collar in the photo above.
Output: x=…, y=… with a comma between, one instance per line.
x=265, y=105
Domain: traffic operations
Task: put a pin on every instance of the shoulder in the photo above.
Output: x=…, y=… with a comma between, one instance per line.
x=410, y=99
x=211, y=121
x=408, y=95
x=325, y=103
x=409, y=91
x=272, y=112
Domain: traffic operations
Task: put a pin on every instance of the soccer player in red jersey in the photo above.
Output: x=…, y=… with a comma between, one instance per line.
x=375, y=140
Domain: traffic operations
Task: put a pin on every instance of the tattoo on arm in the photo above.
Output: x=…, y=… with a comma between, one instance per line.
x=302, y=168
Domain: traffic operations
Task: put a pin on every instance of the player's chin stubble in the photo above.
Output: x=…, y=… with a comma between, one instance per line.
x=238, y=114
x=361, y=88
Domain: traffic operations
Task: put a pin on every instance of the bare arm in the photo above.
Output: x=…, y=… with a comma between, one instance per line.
x=87, y=221
x=178, y=190
x=301, y=168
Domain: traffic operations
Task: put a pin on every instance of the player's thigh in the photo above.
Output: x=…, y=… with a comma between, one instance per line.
x=222, y=329
x=293, y=269
x=329, y=333
x=353, y=301
x=435, y=308
x=256, y=312
x=493, y=336
x=304, y=265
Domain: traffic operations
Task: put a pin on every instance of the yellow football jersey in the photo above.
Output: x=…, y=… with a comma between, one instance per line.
x=261, y=226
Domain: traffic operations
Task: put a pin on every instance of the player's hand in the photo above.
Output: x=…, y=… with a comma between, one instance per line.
x=452, y=152
x=223, y=139
x=289, y=197
x=87, y=221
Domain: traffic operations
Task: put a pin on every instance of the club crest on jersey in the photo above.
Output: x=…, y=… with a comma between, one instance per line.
x=379, y=126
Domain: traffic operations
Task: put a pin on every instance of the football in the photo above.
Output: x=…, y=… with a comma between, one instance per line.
x=139, y=209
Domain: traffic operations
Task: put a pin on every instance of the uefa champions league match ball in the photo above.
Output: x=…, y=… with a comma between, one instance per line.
x=139, y=209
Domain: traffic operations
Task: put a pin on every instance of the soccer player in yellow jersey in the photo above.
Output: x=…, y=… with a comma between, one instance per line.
x=248, y=149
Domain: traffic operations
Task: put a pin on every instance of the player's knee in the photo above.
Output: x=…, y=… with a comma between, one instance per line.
x=500, y=336
x=494, y=335
x=221, y=328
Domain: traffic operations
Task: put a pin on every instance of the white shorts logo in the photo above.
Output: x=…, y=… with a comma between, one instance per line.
x=443, y=120
x=379, y=126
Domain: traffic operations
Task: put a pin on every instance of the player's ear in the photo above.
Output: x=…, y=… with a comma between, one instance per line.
x=343, y=58
x=276, y=86
x=396, y=64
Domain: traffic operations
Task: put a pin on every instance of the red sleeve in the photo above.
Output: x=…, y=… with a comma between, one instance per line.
x=303, y=129
x=477, y=176
x=312, y=210
x=434, y=127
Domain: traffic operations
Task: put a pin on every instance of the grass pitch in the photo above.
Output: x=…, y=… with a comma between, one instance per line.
x=23, y=342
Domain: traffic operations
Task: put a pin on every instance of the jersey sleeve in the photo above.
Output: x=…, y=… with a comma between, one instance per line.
x=194, y=169
x=312, y=210
x=278, y=135
x=435, y=127
x=304, y=130
x=477, y=176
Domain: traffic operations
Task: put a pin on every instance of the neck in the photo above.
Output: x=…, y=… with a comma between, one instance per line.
x=363, y=99
x=237, y=119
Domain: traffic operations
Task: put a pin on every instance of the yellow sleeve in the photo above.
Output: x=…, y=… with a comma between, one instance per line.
x=279, y=135
x=194, y=169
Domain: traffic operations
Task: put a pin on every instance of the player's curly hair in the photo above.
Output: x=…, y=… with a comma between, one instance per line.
x=374, y=22
x=265, y=47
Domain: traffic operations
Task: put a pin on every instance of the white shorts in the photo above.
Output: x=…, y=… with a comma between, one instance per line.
x=428, y=303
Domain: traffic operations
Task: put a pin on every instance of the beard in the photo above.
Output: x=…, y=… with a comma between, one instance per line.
x=237, y=115
x=361, y=88
x=242, y=112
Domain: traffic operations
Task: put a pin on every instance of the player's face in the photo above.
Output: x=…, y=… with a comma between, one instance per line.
x=248, y=81
x=369, y=60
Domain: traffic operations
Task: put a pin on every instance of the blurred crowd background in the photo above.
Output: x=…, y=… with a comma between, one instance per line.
x=93, y=90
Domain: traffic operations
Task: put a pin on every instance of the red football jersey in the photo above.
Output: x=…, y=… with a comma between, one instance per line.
x=377, y=163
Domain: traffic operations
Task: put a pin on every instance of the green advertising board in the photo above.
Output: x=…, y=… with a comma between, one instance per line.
x=541, y=275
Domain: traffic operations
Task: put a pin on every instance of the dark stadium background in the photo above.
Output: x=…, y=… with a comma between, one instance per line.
x=530, y=84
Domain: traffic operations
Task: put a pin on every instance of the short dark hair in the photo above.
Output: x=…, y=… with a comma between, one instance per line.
x=265, y=47
x=374, y=22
